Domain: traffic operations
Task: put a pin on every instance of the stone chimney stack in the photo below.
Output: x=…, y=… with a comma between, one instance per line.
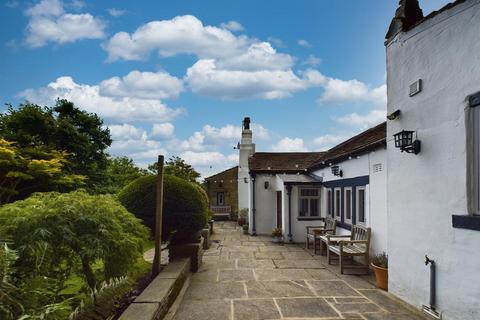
x=247, y=148
x=407, y=15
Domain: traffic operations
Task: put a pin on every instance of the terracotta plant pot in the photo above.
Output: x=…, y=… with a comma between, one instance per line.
x=241, y=221
x=381, y=277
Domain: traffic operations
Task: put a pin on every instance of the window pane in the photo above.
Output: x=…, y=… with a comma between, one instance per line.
x=329, y=203
x=309, y=192
x=348, y=204
x=337, y=203
x=314, y=207
x=361, y=205
x=303, y=207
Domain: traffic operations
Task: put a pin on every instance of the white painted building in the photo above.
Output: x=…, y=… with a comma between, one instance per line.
x=246, y=149
x=293, y=190
x=433, y=74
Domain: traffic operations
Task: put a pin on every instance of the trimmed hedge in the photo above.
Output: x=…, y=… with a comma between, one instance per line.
x=185, y=206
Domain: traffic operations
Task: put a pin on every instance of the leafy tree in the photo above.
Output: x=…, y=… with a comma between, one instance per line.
x=41, y=168
x=176, y=166
x=120, y=172
x=59, y=235
x=63, y=128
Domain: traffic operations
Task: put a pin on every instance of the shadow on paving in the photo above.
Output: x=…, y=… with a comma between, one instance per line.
x=250, y=278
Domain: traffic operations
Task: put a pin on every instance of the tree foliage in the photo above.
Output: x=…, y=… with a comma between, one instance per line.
x=176, y=166
x=41, y=168
x=57, y=236
x=184, y=206
x=120, y=172
x=64, y=128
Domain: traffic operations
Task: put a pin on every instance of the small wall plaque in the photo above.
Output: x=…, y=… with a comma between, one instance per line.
x=415, y=87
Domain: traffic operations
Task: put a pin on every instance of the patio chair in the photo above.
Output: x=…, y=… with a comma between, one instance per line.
x=315, y=232
x=355, y=244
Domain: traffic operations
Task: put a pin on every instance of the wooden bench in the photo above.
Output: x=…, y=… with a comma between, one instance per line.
x=353, y=245
x=315, y=232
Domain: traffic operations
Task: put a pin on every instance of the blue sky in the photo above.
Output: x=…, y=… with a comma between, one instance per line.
x=177, y=77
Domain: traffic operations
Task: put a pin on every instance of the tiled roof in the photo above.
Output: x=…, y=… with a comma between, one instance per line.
x=362, y=142
x=283, y=161
x=224, y=171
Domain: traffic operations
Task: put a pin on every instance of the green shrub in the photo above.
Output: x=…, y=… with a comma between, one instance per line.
x=67, y=244
x=185, y=206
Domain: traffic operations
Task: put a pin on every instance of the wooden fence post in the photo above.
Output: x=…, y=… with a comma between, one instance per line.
x=158, y=218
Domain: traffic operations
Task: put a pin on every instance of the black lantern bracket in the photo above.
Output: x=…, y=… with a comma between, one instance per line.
x=405, y=142
x=336, y=171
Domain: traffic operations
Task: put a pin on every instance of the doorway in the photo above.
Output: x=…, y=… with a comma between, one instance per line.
x=279, y=209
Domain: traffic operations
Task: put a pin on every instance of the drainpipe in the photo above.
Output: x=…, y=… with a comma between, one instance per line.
x=431, y=309
x=289, y=193
x=254, y=231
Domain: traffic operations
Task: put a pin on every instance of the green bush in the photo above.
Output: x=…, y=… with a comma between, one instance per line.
x=185, y=206
x=68, y=243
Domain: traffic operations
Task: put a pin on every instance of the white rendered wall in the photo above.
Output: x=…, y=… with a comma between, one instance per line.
x=424, y=190
x=247, y=148
x=376, y=197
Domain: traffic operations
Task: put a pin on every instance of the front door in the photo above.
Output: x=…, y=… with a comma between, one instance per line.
x=279, y=209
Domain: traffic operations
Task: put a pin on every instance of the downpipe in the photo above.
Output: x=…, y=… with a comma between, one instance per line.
x=431, y=308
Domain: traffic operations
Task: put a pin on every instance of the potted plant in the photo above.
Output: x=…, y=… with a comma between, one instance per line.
x=380, y=267
x=277, y=235
x=242, y=217
x=245, y=228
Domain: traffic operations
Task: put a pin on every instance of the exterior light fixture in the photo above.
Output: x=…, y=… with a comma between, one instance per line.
x=336, y=171
x=404, y=141
x=266, y=184
x=245, y=180
x=394, y=115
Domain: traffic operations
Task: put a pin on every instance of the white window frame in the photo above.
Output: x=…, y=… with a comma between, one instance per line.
x=476, y=158
x=357, y=205
x=317, y=197
x=345, y=198
x=339, y=202
x=220, y=195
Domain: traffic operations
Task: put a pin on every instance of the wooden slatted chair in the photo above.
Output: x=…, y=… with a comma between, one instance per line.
x=353, y=245
x=315, y=232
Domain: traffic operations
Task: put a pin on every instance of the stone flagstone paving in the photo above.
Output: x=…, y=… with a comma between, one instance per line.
x=250, y=278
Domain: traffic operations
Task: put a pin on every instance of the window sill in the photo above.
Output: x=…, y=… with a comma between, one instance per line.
x=310, y=218
x=466, y=222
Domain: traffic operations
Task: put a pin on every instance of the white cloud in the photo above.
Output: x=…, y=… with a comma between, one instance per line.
x=341, y=91
x=206, y=79
x=304, y=43
x=142, y=85
x=312, y=61
x=363, y=121
x=126, y=132
x=325, y=142
x=89, y=97
x=209, y=158
x=162, y=130
x=48, y=22
x=180, y=35
x=290, y=145
x=276, y=42
x=232, y=26
x=114, y=12
x=12, y=4
x=77, y=4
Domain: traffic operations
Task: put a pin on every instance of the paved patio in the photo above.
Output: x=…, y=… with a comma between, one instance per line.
x=250, y=278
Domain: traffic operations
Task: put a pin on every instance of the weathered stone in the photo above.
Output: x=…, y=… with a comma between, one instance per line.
x=392, y=316
x=305, y=308
x=282, y=274
x=357, y=307
x=297, y=255
x=255, y=264
x=217, y=290
x=268, y=255
x=240, y=255
x=255, y=309
x=385, y=301
x=277, y=289
x=204, y=310
x=332, y=288
x=235, y=275
x=321, y=274
x=140, y=311
x=298, y=264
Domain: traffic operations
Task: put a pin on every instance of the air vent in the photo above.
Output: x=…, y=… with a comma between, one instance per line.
x=415, y=87
x=377, y=168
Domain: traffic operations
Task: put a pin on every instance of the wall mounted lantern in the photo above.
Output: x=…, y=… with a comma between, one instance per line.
x=266, y=184
x=245, y=180
x=336, y=171
x=404, y=141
